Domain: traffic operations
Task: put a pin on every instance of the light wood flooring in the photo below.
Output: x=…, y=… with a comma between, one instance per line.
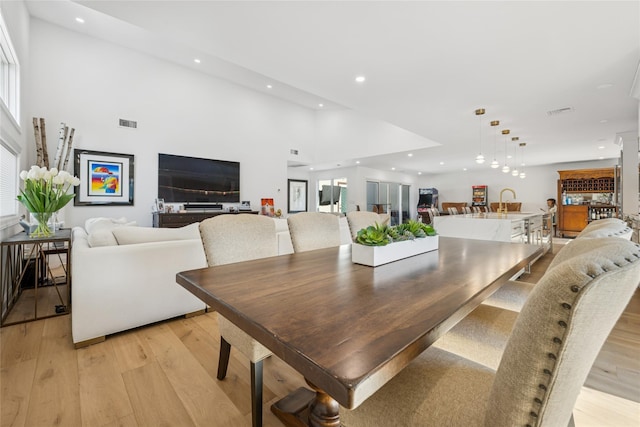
x=164, y=375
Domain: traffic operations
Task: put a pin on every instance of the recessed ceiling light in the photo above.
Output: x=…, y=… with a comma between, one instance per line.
x=601, y=147
x=419, y=173
x=509, y=156
x=357, y=162
x=393, y=169
x=442, y=163
x=320, y=105
x=80, y=20
x=361, y=79
x=604, y=86
x=410, y=154
x=310, y=169
x=196, y=60
x=269, y=87
x=464, y=169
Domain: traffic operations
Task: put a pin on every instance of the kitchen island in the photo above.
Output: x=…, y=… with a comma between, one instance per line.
x=517, y=227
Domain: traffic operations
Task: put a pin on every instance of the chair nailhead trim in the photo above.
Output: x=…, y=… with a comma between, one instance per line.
x=533, y=414
x=537, y=400
x=566, y=305
x=546, y=371
x=575, y=288
x=562, y=323
x=557, y=340
x=542, y=387
x=551, y=356
x=528, y=425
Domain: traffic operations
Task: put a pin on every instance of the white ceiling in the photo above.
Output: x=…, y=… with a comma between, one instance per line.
x=428, y=64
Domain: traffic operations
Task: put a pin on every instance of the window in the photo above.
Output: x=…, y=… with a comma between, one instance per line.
x=8, y=181
x=9, y=74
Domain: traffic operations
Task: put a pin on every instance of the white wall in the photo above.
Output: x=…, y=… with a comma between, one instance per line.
x=89, y=84
x=343, y=133
x=533, y=191
x=15, y=134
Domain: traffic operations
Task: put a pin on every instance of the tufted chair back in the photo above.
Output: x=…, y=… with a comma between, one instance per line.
x=313, y=230
x=608, y=227
x=361, y=219
x=560, y=331
x=238, y=237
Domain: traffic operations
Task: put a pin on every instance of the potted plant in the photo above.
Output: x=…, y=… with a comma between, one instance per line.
x=381, y=244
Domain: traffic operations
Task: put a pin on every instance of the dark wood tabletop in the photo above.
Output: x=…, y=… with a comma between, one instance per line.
x=349, y=328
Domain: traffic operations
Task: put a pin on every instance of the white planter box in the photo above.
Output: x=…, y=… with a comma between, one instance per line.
x=377, y=255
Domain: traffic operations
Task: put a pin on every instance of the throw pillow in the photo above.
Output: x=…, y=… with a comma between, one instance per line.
x=133, y=235
x=101, y=238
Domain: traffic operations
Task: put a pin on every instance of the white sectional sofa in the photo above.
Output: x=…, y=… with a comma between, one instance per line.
x=124, y=276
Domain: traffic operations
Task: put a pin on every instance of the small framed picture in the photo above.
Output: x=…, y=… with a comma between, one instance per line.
x=160, y=205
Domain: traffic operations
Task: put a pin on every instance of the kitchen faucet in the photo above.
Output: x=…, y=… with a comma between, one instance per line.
x=500, y=208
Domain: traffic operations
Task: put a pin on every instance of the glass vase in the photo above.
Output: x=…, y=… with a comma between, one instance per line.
x=44, y=229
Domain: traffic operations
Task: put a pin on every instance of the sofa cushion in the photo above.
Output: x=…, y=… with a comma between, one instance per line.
x=133, y=235
x=101, y=223
x=101, y=238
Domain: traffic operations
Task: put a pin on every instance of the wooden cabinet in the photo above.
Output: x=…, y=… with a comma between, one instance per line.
x=577, y=191
x=174, y=220
x=573, y=219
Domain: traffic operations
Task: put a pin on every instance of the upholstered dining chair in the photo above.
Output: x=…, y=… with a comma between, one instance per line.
x=313, y=230
x=235, y=238
x=513, y=294
x=548, y=354
x=358, y=220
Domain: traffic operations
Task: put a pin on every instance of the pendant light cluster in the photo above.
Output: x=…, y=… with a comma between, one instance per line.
x=480, y=157
x=505, y=132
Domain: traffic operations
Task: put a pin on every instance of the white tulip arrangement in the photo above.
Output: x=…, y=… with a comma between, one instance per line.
x=44, y=193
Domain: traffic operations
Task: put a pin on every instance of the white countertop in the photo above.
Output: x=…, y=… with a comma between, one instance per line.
x=483, y=226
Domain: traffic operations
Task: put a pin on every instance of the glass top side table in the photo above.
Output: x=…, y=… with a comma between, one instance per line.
x=35, y=277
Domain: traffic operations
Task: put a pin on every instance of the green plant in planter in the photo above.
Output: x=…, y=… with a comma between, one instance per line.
x=381, y=235
x=374, y=235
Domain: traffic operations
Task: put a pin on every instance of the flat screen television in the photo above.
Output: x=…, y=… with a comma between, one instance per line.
x=184, y=179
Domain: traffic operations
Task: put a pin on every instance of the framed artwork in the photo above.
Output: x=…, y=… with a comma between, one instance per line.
x=297, y=196
x=105, y=178
x=160, y=205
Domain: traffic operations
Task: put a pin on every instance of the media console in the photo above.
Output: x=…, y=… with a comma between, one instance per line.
x=174, y=220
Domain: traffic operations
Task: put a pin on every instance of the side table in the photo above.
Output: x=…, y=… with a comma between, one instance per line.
x=28, y=286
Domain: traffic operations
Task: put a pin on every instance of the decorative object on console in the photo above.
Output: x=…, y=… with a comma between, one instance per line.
x=105, y=178
x=245, y=205
x=297, y=196
x=44, y=194
x=381, y=244
x=267, y=207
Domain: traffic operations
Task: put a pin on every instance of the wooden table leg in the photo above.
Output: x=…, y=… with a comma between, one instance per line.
x=304, y=408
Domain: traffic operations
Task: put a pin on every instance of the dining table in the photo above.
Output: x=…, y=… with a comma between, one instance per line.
x=350, y=328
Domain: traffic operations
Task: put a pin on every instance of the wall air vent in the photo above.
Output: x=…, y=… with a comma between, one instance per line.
x=127, y=124
x=560, y=111
x=293, y=151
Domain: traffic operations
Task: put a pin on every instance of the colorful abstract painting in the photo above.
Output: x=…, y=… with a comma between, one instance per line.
x=106, y=178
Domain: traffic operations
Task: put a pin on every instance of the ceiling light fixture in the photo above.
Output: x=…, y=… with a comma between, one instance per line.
x=269, y=87
x=522, y=145
x=494, y=163
x=480, y=157
x=514, y=172
x=361, y=79
x=196, y=60
x=320, y=105
x=441, y=163
x=410, y=155
x=80, y=20
x=506, y=167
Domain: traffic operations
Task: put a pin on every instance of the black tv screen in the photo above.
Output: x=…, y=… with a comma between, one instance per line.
x=191, y=179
